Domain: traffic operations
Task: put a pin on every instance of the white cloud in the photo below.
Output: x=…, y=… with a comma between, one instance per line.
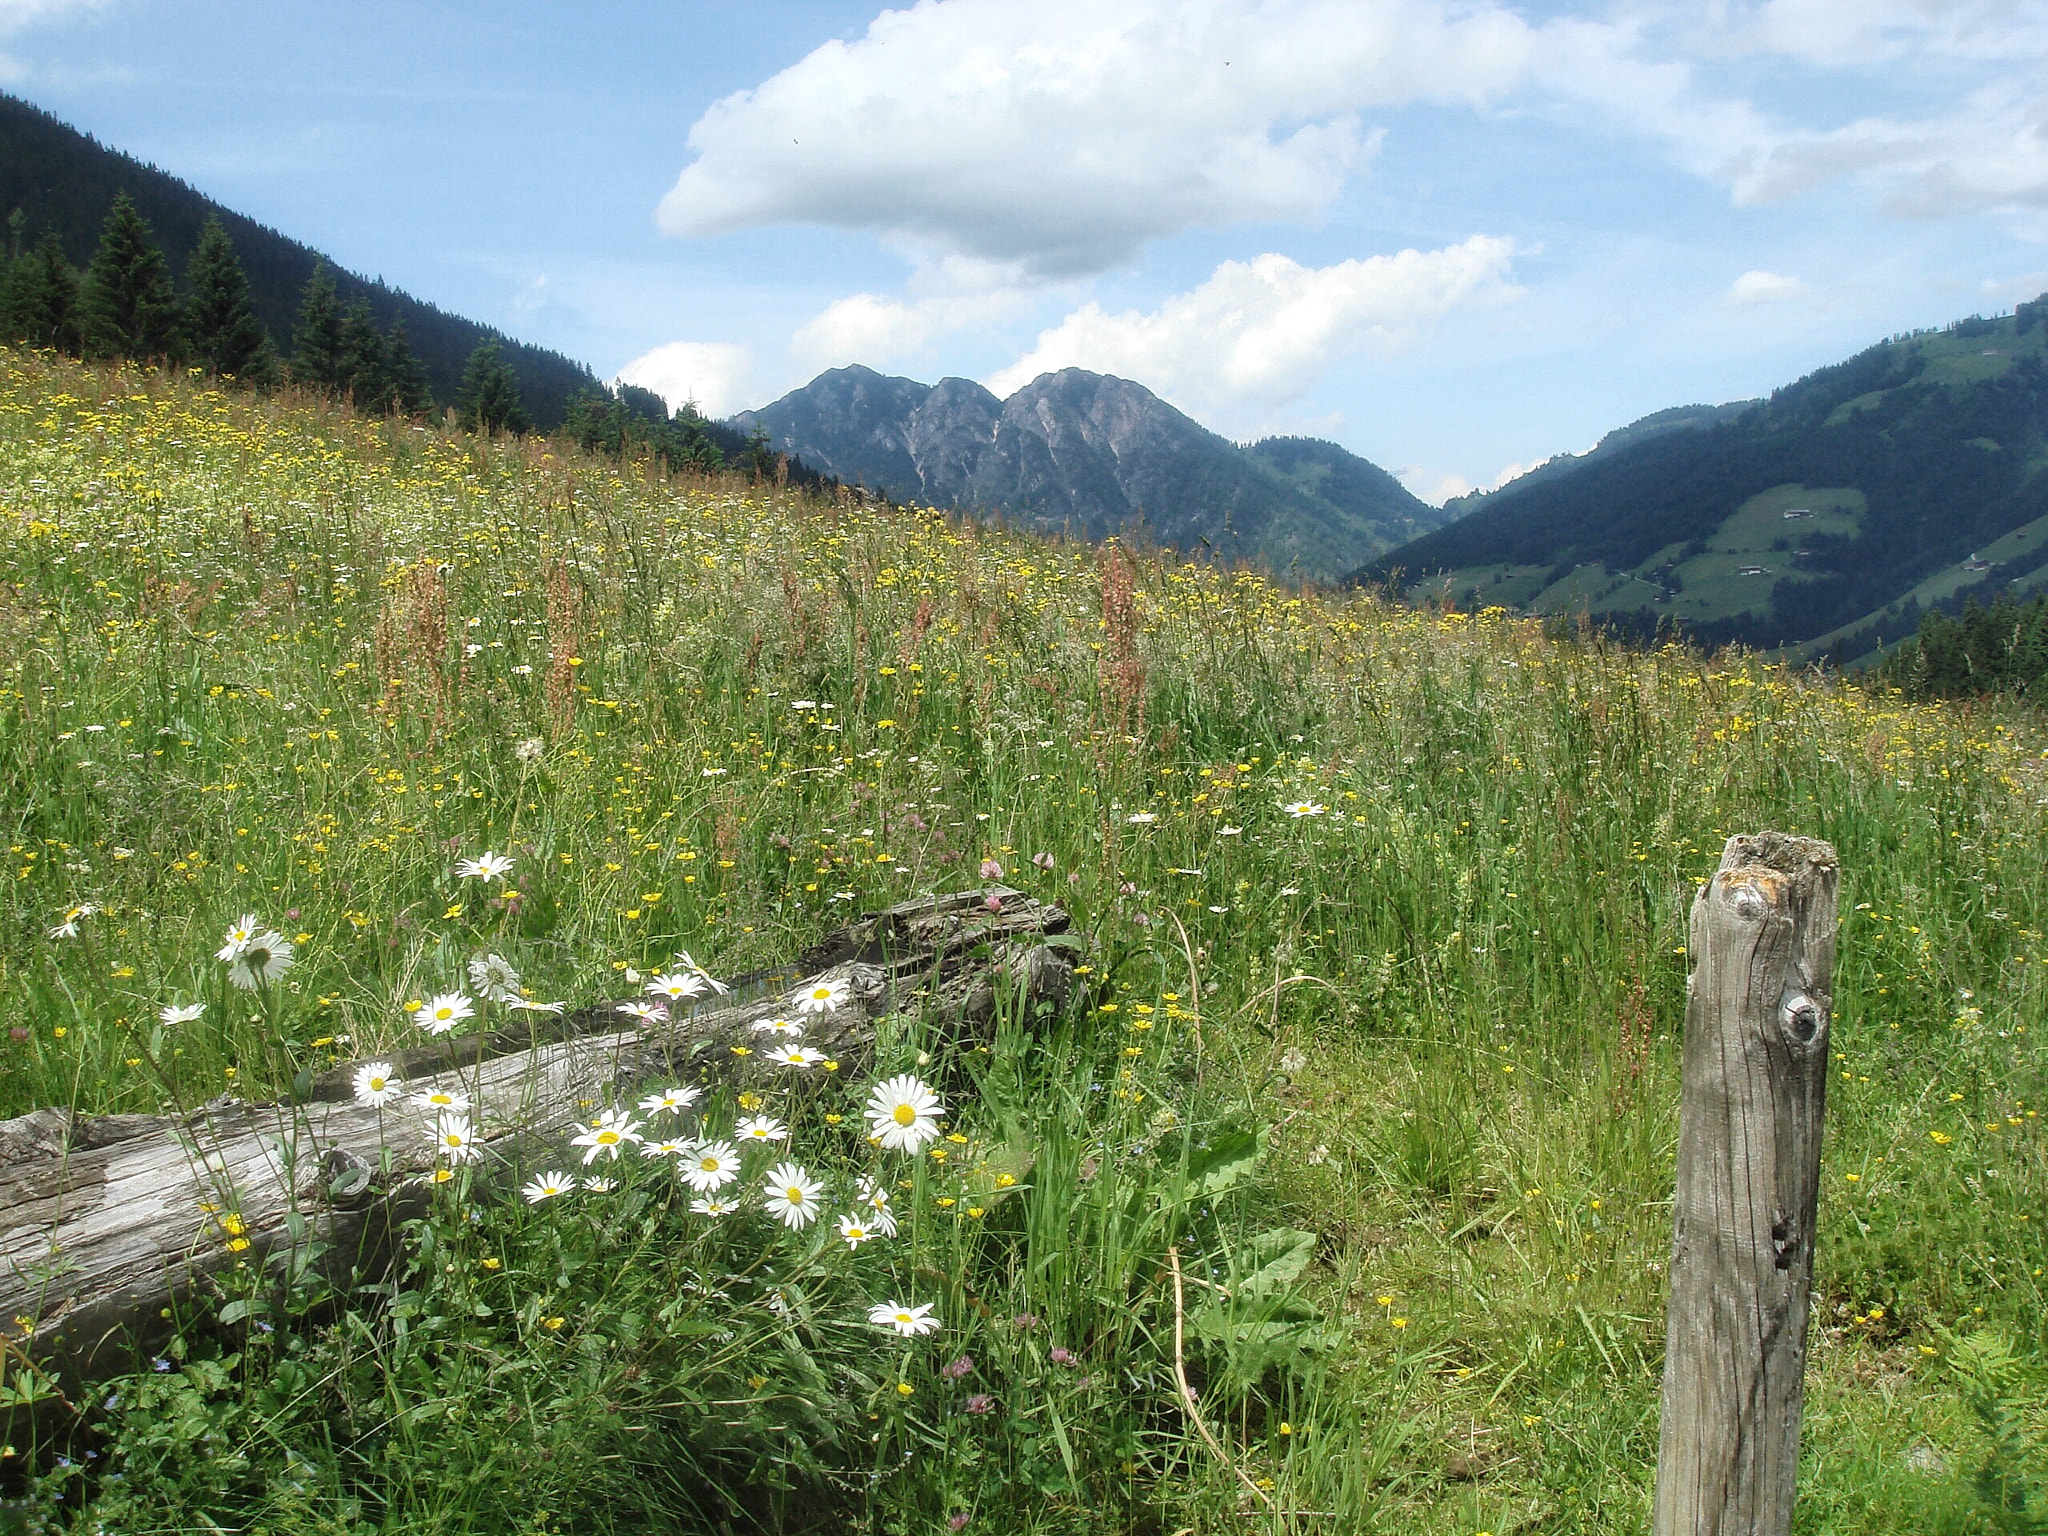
x=1062, y=134
x=1260, y=333
x=1760, y=287
x=1436, y=491
x=874, y=329
x=16, y=14
x=715, y=374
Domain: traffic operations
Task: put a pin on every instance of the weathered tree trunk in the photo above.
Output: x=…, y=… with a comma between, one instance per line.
x=1749, y=1134
x=107, y=1223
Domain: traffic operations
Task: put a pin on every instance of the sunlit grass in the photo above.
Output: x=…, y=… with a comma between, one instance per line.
x=264, y=657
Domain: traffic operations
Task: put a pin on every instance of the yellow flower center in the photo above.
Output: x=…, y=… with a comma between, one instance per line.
x=904, y=1114
x=794, y=1195
x=607, y=1138
x=709, y=1165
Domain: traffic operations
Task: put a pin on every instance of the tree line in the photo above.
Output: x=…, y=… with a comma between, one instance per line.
x=1999, y=648
x=126, y=306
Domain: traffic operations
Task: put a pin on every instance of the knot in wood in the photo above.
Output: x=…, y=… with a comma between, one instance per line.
x=1801, y=1018
x=1748, y=902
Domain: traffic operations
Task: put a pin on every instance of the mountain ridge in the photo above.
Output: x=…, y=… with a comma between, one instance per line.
x=1094, y=455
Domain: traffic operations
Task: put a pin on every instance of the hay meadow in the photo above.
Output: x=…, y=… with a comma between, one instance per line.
x=1383, y=912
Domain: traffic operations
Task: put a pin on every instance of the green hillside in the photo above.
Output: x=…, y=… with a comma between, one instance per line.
x=65, y=181
x=1820, y=521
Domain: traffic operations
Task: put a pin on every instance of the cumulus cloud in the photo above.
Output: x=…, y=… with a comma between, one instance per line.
x=1060, y=135
x=715, y=374
x=1760, y=287
x=1259, y=333
x=875, y=329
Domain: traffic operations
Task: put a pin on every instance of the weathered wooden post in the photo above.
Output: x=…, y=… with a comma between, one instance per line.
x=1749, y=1130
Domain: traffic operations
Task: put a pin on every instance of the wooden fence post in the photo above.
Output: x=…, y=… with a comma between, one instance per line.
x=1749, y=1133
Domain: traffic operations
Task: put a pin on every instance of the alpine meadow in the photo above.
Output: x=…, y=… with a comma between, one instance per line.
x=1336, y=1195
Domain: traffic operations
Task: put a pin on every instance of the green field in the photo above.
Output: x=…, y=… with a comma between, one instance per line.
x=1385, y=917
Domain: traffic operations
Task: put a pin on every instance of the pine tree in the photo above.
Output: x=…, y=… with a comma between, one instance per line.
x=39, y=302
x=409, y=392
x=130, y=308
x=318, y=359
x=364, y=360
x=221, y=328
x=488, y=400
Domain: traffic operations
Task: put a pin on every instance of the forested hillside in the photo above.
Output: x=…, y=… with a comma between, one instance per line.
x=64, y=182
x=1825, y=517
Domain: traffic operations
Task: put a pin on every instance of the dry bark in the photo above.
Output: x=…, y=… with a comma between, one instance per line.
x=1749, y=1136
x=107, y=1223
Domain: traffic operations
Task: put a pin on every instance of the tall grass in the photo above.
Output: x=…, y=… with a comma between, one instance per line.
x=1399, y=894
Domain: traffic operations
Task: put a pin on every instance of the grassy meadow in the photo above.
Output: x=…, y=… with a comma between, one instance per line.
x=1385, y=919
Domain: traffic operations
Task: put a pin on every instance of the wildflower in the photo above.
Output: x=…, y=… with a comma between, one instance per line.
x=683, y=959
x=796, y=1055
x=792, y=1195
x=180, y=1013
x=489, y=866
x=261, y=961
x=856, y=1231
x=444, y=1101
x=903, y=1114
x=443, y=1013
x=598, y=1184
x=456, y=1138
x=1042, y=861
x=711, y=1166
x=1300, y=809
x=68, y=928
x=1059, y=1354
x=991, y=870
x=678, y=985
x=240, y=932
x=908, y=1321
x=529, y=1005
x=546, y=1186
x=1230, y=831
x=670, y=1148
x=670, y=1101
x=979, y=1402
x=955, y=1370
x=493, y=977
x=761, y=1128
x=375, y=1086
x=822, y=996
x=612, y=1130
x=530, y=750
x=1141, y=818
x=780, y=1028
x=712, y=1206
x=875, y=1196
x=646, y=1013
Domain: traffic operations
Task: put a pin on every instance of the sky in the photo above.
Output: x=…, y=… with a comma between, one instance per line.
x=1455, y=236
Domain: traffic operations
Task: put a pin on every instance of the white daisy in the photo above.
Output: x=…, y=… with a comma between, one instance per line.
x=489, y=866
x=903, y=1114
x=711, y=1166
x=547, y=1186
x=683, y=959
x=856, y=1230
x=240, y=932
x=597, y=1184
x=784, y=1029
x=494, y=978
x=669, y=1148
x=443, y=1012
x=261, y=961
x=670, y=1101
x=1142, y=818
x=530, y=1005
x=1302, y=808
x=68, y=927
x=908, y=1321
x=456, y=1139
x=791, y=1195
x=646, y=1013
x=761, y=1128
x=612, y=1131
x=678, y=985
x=375, y=1084
x=822, y=996
x=180, y=1013
x=446, y=1101
x=711, y=1205
x=796, y=1055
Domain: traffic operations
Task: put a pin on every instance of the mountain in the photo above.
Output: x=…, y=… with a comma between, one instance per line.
x=1092, y=455
x=1818, y=522
x=65, y=181
x=1675, y=418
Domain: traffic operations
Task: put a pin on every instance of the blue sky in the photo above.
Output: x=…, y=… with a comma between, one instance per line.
x=1457, y=236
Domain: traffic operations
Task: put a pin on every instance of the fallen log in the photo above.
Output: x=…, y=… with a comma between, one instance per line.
x=108, y=1224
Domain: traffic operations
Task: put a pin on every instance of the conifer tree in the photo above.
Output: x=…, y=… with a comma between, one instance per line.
x=221, y=329
x=410, y=394
x=17, y=229
x=39, y=301
x=130, y=308
x=488, y=400
x=318, y=358
x=363, y=360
